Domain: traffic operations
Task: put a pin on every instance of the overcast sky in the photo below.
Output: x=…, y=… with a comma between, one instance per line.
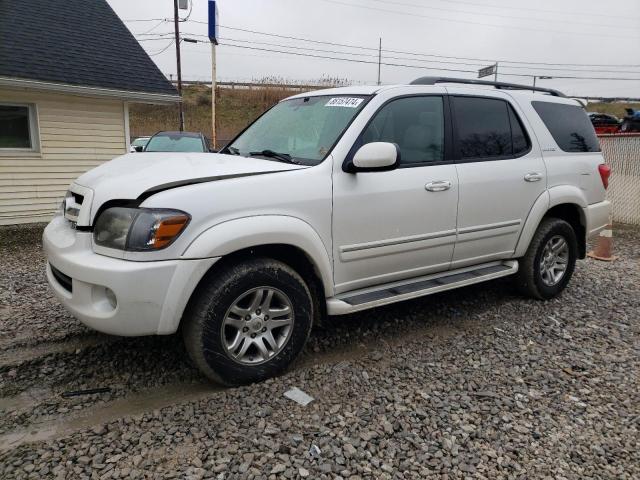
x=578, y=32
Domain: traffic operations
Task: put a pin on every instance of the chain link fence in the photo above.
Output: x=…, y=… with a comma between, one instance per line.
x=622, y=153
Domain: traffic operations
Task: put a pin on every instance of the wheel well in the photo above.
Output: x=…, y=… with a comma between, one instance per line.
x=572, y=214
x=292, y=256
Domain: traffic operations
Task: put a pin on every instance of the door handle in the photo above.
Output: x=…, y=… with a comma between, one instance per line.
x=438, y=186
x=533, y=177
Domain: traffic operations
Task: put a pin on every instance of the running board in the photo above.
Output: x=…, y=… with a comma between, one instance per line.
x=417, y=287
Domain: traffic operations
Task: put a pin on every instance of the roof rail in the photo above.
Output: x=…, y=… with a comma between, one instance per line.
x=499, y=85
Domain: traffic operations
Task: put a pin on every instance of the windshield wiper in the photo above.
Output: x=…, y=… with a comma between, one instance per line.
x=233, y=150
x=282, y=157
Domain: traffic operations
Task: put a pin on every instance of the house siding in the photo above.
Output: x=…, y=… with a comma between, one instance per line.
x=75, y=134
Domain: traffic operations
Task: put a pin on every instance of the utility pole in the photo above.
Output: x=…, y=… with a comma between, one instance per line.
x=379, y=59
x=496, y=72
x=177, y=40
x=213, y=96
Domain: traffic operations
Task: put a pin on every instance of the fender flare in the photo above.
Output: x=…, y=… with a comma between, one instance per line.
x=233, y=235
x=558, y=195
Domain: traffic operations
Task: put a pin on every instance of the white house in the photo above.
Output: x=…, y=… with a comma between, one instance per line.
x=68, y=71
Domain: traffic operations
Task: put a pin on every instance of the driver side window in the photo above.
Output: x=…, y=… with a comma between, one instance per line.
x=415, y=124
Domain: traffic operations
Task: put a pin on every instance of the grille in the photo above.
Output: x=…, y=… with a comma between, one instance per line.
x=64, y=280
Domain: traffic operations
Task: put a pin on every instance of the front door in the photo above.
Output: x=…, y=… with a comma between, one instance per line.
x=501, y=174
x=391, y=225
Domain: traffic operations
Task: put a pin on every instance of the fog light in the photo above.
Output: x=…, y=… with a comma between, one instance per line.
x=111, y=297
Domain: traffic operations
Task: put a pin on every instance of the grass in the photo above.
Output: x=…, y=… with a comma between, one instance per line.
x=612, y=108
x=236, y=108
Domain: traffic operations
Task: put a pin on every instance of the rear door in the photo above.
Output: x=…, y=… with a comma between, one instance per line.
x=501, y=173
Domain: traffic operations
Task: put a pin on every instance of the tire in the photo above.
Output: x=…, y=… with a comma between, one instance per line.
x=533, y=279
x=216, y=319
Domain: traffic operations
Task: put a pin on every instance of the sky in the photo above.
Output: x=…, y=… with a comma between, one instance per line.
x=567, y=38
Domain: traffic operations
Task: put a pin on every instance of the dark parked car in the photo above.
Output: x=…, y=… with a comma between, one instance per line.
x=631, y=123
x=178, y=142
x=604, y=123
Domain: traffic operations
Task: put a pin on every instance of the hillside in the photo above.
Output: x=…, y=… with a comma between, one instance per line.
x=236, y=108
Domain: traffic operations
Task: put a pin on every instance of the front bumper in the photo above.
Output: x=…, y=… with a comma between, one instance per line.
x=150, y=297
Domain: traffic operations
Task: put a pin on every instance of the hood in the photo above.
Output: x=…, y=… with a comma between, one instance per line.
x=139, y=175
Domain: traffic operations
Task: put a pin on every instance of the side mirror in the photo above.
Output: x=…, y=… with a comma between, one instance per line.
x=377, y=156
x=138, y=148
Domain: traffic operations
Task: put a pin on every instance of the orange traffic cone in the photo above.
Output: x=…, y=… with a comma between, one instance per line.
x=604, y=246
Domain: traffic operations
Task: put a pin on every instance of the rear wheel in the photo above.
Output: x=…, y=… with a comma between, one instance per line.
x=548, y=265
x=248, y=322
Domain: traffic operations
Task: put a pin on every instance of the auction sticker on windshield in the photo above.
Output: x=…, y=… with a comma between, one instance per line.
x=344, y=102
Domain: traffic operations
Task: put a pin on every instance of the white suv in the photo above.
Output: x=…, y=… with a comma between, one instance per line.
x=331, y=202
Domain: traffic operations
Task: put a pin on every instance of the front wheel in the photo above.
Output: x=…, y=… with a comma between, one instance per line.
x=248, y=321
x=548, y=265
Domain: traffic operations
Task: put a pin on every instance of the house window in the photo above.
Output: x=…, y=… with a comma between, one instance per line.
x=17, y=127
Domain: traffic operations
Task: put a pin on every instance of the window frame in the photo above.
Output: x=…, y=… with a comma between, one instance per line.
x=34, y=135
x=456, y=140
x=347, y=164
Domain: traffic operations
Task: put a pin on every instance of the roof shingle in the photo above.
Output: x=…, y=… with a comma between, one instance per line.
x=76, y=42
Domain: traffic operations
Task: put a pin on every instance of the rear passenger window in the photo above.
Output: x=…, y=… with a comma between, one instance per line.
x=569, y=125
x=415, y=124
x=488, y=128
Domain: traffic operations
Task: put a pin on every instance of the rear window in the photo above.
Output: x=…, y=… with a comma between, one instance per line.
x=569, y=125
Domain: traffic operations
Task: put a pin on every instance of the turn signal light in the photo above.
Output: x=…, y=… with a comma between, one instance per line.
x=605, y=173
x=167, y=229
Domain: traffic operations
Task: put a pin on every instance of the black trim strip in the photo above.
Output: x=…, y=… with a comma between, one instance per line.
x=64, y=280
x=398, y=241
x=194, y=181
x=482, y=228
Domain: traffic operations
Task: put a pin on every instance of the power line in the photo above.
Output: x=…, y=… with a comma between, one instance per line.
x=147, y=32
x=362, y=47
x=298, y=48
x=537, y=10
x=404, y=58
x=470, y=22
x=418, y=66
x=497, y=15
x=144, y=20
x=152, y=39
x=290, y=37
x=164, y=49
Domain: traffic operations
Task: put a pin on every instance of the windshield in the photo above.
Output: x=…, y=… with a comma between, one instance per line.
x=304, y=128
x=174, y=143
x=140, y=142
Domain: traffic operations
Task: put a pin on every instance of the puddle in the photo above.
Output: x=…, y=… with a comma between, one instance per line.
x=136, y=404
x=19, y=355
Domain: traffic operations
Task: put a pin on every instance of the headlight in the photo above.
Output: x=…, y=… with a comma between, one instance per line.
x=138, y=229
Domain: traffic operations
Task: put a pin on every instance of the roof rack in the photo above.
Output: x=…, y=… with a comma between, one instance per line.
x=498, y=85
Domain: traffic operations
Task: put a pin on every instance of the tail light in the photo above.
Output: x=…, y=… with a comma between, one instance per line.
x=605, y=173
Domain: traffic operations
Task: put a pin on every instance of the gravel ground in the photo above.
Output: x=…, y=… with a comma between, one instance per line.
x=476, y=383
